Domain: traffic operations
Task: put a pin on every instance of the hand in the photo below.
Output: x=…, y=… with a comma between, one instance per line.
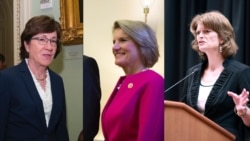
x=240, y=101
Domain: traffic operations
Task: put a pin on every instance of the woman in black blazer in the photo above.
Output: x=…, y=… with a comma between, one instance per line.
x=209, y=89
x=32, y=98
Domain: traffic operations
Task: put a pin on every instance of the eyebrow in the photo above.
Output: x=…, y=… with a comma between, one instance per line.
x=43, y=35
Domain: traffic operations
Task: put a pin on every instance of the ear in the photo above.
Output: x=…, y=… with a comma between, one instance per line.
x=26, y=45
x=221, y=41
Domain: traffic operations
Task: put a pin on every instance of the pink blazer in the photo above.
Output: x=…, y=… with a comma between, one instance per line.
x=135, y=109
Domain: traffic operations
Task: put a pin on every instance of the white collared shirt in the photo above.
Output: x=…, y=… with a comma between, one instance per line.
x=45, y=95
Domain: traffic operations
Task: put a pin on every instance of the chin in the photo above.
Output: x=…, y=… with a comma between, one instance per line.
x=118, y=64
x=46, y=64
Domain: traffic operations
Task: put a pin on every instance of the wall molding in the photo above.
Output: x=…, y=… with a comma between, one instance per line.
x=21, y=14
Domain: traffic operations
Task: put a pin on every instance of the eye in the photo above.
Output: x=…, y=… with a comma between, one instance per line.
x=53, y=41
x=42, y=40
x=123, y=40
x=206, y=31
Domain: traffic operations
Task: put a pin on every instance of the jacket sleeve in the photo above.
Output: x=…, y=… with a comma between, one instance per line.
x=91, y=98
x=4, y=105
x=61, y=129
x=151, y=118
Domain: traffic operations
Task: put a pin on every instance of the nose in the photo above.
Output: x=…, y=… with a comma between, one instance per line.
x=115, y=46
x=199, y=36
x=49, y=46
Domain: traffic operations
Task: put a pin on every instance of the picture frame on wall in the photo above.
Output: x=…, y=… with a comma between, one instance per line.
x=71, y=18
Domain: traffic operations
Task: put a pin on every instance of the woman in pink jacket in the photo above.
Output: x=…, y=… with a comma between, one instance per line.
x=135, y=109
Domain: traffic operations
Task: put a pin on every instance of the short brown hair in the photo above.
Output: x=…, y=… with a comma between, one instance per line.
x=36, y=25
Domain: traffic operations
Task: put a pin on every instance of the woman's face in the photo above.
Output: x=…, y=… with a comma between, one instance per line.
x=42, y=48
x=125, y=50
x=208, y=39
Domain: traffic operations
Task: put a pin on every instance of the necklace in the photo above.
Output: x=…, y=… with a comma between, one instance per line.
x=41, y=79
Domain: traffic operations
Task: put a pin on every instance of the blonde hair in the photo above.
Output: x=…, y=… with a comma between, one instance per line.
x=144, y=37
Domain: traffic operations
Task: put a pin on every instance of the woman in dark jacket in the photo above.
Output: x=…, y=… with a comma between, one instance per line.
x=32, y=96
x=218, y=86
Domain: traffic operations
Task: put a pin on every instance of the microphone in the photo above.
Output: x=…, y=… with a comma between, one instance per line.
x=181, y=80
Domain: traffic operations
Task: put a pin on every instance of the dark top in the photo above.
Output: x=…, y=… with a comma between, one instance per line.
x=22, y=115
x=91, y=98
x=219, y=106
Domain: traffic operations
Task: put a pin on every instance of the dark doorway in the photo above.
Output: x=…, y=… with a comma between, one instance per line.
x=6, y=31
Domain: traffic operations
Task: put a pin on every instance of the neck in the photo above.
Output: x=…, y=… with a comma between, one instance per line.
x=215, y=62
x=38, y=71
x=215, y=66
x=129, y=71
x=41, y=77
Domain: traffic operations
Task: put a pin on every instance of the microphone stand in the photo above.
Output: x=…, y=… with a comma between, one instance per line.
x=179, y=81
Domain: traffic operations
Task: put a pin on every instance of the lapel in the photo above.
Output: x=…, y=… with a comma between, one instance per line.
x=31, y=89
x=57, y=91
x=217, y=92
x=54, y=98
x=194, y=89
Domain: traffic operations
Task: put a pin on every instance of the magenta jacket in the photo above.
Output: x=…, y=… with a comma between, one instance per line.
x=135, y=109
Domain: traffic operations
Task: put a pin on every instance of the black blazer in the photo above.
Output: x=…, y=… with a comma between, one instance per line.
x=219, y=106
x=22, y=116
x=91, y=98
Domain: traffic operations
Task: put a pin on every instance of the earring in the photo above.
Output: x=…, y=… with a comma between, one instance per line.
x=220, y=49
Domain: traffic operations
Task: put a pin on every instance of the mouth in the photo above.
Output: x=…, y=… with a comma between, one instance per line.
x=118, y=53
x=201, y=42
x=47, y=55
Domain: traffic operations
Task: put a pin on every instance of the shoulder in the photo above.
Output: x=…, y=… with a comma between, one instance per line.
x=13, y=74
x=151, y=76
x=11, y=71
x=7, y=74
x=88, y=60
x=235, y=66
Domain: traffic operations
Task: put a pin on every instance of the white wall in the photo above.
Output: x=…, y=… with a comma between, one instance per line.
x=99, y=16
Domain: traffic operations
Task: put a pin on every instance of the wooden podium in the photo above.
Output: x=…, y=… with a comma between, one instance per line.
x=183, y=123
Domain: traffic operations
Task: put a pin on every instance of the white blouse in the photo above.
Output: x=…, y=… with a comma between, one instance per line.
x=204, y=92
x=45, y=95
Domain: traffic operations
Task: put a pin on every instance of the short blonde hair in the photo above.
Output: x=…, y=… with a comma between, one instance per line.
x=219, y=23
x=144, y=37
